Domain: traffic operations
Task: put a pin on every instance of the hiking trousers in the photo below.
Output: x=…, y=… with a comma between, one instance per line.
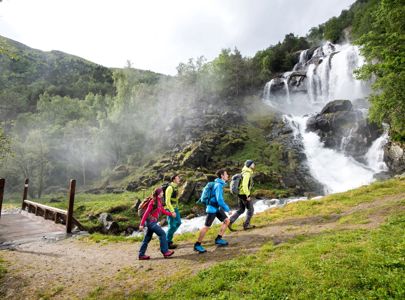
x=153, y=227
x=243, y=205
x=174, y=224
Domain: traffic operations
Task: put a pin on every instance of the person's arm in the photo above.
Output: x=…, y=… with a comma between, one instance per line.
x=245, y=184
x=168, y=196
x=219, y=195
x=167, y=213
x=147, y=213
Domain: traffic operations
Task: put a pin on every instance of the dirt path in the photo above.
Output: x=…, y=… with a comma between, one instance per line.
x=70, y=269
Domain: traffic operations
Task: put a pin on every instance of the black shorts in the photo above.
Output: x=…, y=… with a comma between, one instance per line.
x=220, y=214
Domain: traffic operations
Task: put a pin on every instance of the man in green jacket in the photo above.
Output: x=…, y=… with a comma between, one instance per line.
x=245, y=200
x=172, y=205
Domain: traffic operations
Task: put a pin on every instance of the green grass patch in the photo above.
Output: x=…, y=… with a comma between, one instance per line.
x=335, y=203
x=356, y=264
x=3, y=269
x=104, y=239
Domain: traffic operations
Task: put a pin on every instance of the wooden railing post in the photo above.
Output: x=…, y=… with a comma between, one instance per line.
x=2, y=184
x=69, y=217
x=25, y=194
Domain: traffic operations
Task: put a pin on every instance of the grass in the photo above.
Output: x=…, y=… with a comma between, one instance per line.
x=104, y=239
x=3, y=269
x=325, y=207
x=355, y=264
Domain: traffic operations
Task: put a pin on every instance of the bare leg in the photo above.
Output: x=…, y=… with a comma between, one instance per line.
x=223, y=227
x=203, y=231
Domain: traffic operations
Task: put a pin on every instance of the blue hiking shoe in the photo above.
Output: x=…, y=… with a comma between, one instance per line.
x=221, y=242
x=199, y=248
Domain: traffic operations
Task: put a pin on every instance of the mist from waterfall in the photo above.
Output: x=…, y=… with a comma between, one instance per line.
x=327, y=75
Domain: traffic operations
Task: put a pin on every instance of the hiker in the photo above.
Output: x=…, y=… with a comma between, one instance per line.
x=172, y=205
x=216, y=208
x=245, y=201
x=150, y=217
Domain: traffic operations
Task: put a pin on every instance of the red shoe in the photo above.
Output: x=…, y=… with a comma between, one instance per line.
x=168, y=254
x=144, y=257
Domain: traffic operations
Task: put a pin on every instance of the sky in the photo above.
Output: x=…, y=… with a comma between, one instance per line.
x=159, y=34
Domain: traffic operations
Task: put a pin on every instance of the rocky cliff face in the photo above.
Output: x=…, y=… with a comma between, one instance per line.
x=344, y=128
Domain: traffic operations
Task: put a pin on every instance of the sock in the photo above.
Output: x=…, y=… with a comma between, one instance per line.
x=197, y=243
x=219, y=237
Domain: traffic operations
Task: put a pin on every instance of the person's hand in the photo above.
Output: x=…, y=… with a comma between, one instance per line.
x=140, y=228
x=248, y=198
x=173, y=214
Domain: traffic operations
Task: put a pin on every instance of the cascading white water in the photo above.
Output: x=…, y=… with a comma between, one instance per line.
x=329, y=76
x=375, y=155
x=287, y=90
x=333, y=169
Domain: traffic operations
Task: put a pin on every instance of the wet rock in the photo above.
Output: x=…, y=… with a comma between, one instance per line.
x=105, y=217
x=342, y=128
x=261, y=177
x=382, y=176
x=132, y=186
x=108, y=225
x=337, y=105
x=295, y=172
x=188, y=191
x=394, y=157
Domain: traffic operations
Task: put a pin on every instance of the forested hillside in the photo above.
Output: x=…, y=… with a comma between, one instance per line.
x=66, y=117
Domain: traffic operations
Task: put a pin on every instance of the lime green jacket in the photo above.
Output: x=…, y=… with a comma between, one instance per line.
x=247, y=182
x=171, y=203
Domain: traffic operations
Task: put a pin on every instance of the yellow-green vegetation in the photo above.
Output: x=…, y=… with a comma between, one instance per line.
x=105, y=239
x=355, y=264
x=336, y=264
x=3, y=269
x=327, y=207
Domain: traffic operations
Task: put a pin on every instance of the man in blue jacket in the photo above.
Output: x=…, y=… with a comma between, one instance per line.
x=216, y=208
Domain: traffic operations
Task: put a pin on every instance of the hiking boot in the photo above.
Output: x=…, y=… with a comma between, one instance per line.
x=230, y=227
x=168, y=254
x=221, y=242
x=172, y=246
x=247, y=227
x=199, y=248
x=144, y=257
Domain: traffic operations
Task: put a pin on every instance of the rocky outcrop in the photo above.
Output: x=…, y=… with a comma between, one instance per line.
x=394, y=157
x=343, y=128
x=108, y=225
x=295, y=173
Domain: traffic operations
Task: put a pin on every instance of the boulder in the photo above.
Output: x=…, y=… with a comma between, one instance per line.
x=394, y=157
x=188, y=191
x=108, y=225
x=337, y=105
x=345, y=129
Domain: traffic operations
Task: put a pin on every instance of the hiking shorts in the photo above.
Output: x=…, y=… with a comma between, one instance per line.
x=220, y=214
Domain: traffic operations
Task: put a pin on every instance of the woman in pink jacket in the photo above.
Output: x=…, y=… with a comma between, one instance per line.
x=151, y=217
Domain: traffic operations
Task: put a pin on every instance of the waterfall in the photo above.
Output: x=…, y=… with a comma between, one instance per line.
x=267, y=89
x=375, y=155
x=333, y=169
x=287, y=90
x=329, y=76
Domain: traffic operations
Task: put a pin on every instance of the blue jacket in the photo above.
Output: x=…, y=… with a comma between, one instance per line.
x=219, y=198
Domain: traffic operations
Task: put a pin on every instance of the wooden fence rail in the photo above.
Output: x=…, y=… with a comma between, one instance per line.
x=2, y=184
x=52, y=213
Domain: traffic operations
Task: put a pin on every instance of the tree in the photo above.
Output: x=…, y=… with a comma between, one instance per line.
x=32, y=161
x=384, y=50
x=5, y=148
